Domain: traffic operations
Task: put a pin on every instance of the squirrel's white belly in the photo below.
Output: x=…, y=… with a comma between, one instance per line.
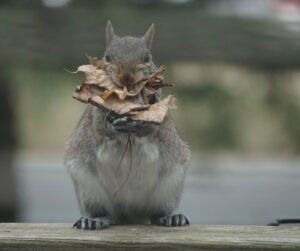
x=129, y=183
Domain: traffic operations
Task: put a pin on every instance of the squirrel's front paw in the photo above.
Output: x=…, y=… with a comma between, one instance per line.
x=86, y=223
x=126, y=125
x=123, y=124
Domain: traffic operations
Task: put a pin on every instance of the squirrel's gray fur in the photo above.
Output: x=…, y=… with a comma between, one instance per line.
x=146, y=185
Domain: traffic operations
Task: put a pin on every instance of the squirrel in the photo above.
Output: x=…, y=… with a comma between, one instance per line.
x=116, y=186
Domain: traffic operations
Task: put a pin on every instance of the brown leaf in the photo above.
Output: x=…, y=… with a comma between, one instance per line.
x=95, y=61
x=93, y=94
x=156, y=112
x=99, y=89
x=94, y=75
x=84, y=92
x=155, y=79
x=122, y=93
x=107, y=93
x=121, y=107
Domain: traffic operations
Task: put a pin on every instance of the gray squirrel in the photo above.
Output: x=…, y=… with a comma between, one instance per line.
x=115, y=185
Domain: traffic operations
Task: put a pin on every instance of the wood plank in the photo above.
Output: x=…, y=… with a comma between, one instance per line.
x=19, y=236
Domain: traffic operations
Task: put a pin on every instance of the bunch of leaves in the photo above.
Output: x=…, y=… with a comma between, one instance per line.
x=138, y=102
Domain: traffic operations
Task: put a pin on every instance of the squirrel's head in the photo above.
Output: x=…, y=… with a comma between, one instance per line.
x=128, y=58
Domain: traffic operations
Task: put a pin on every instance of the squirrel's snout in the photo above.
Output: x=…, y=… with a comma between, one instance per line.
x=126, y=79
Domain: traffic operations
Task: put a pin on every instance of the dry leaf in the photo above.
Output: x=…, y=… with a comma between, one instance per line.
x=92, y=94
x=96, y=62
x=121, y=107
x=99, y=89
x=94, y=75
x=85, y=92
x=156, y=112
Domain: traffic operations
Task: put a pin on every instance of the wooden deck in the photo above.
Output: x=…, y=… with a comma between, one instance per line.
x=19, y=236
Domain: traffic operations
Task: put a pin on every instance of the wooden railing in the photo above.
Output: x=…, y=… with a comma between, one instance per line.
x=61, y=237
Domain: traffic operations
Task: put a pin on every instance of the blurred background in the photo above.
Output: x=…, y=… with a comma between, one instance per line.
x=236, y=65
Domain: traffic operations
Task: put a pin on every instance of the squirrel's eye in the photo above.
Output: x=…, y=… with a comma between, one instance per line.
x=107, y=57
x=147, y=57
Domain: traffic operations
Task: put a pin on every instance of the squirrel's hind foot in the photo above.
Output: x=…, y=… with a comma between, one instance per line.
x=176, y=220
x=86, y=223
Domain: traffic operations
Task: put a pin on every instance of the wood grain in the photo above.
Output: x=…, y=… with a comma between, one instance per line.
x=19, y=236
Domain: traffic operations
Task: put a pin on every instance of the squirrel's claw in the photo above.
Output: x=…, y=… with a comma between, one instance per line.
x=86, y=223
x=176, y=220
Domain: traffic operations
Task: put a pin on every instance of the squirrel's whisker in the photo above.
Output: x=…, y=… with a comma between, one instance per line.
x=130, y=165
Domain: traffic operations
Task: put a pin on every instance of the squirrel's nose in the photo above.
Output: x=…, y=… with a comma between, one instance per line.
x=126, y=79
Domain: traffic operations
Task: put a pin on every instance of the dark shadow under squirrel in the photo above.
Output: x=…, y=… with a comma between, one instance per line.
x=126, y=171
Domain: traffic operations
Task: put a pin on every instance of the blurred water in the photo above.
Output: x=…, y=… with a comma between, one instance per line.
x=220, y=189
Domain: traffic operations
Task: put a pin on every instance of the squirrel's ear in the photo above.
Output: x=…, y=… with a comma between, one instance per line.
x=148, y=37
x=110, y=33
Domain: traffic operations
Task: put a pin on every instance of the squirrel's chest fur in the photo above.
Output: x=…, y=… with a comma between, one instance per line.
x=130, y=180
